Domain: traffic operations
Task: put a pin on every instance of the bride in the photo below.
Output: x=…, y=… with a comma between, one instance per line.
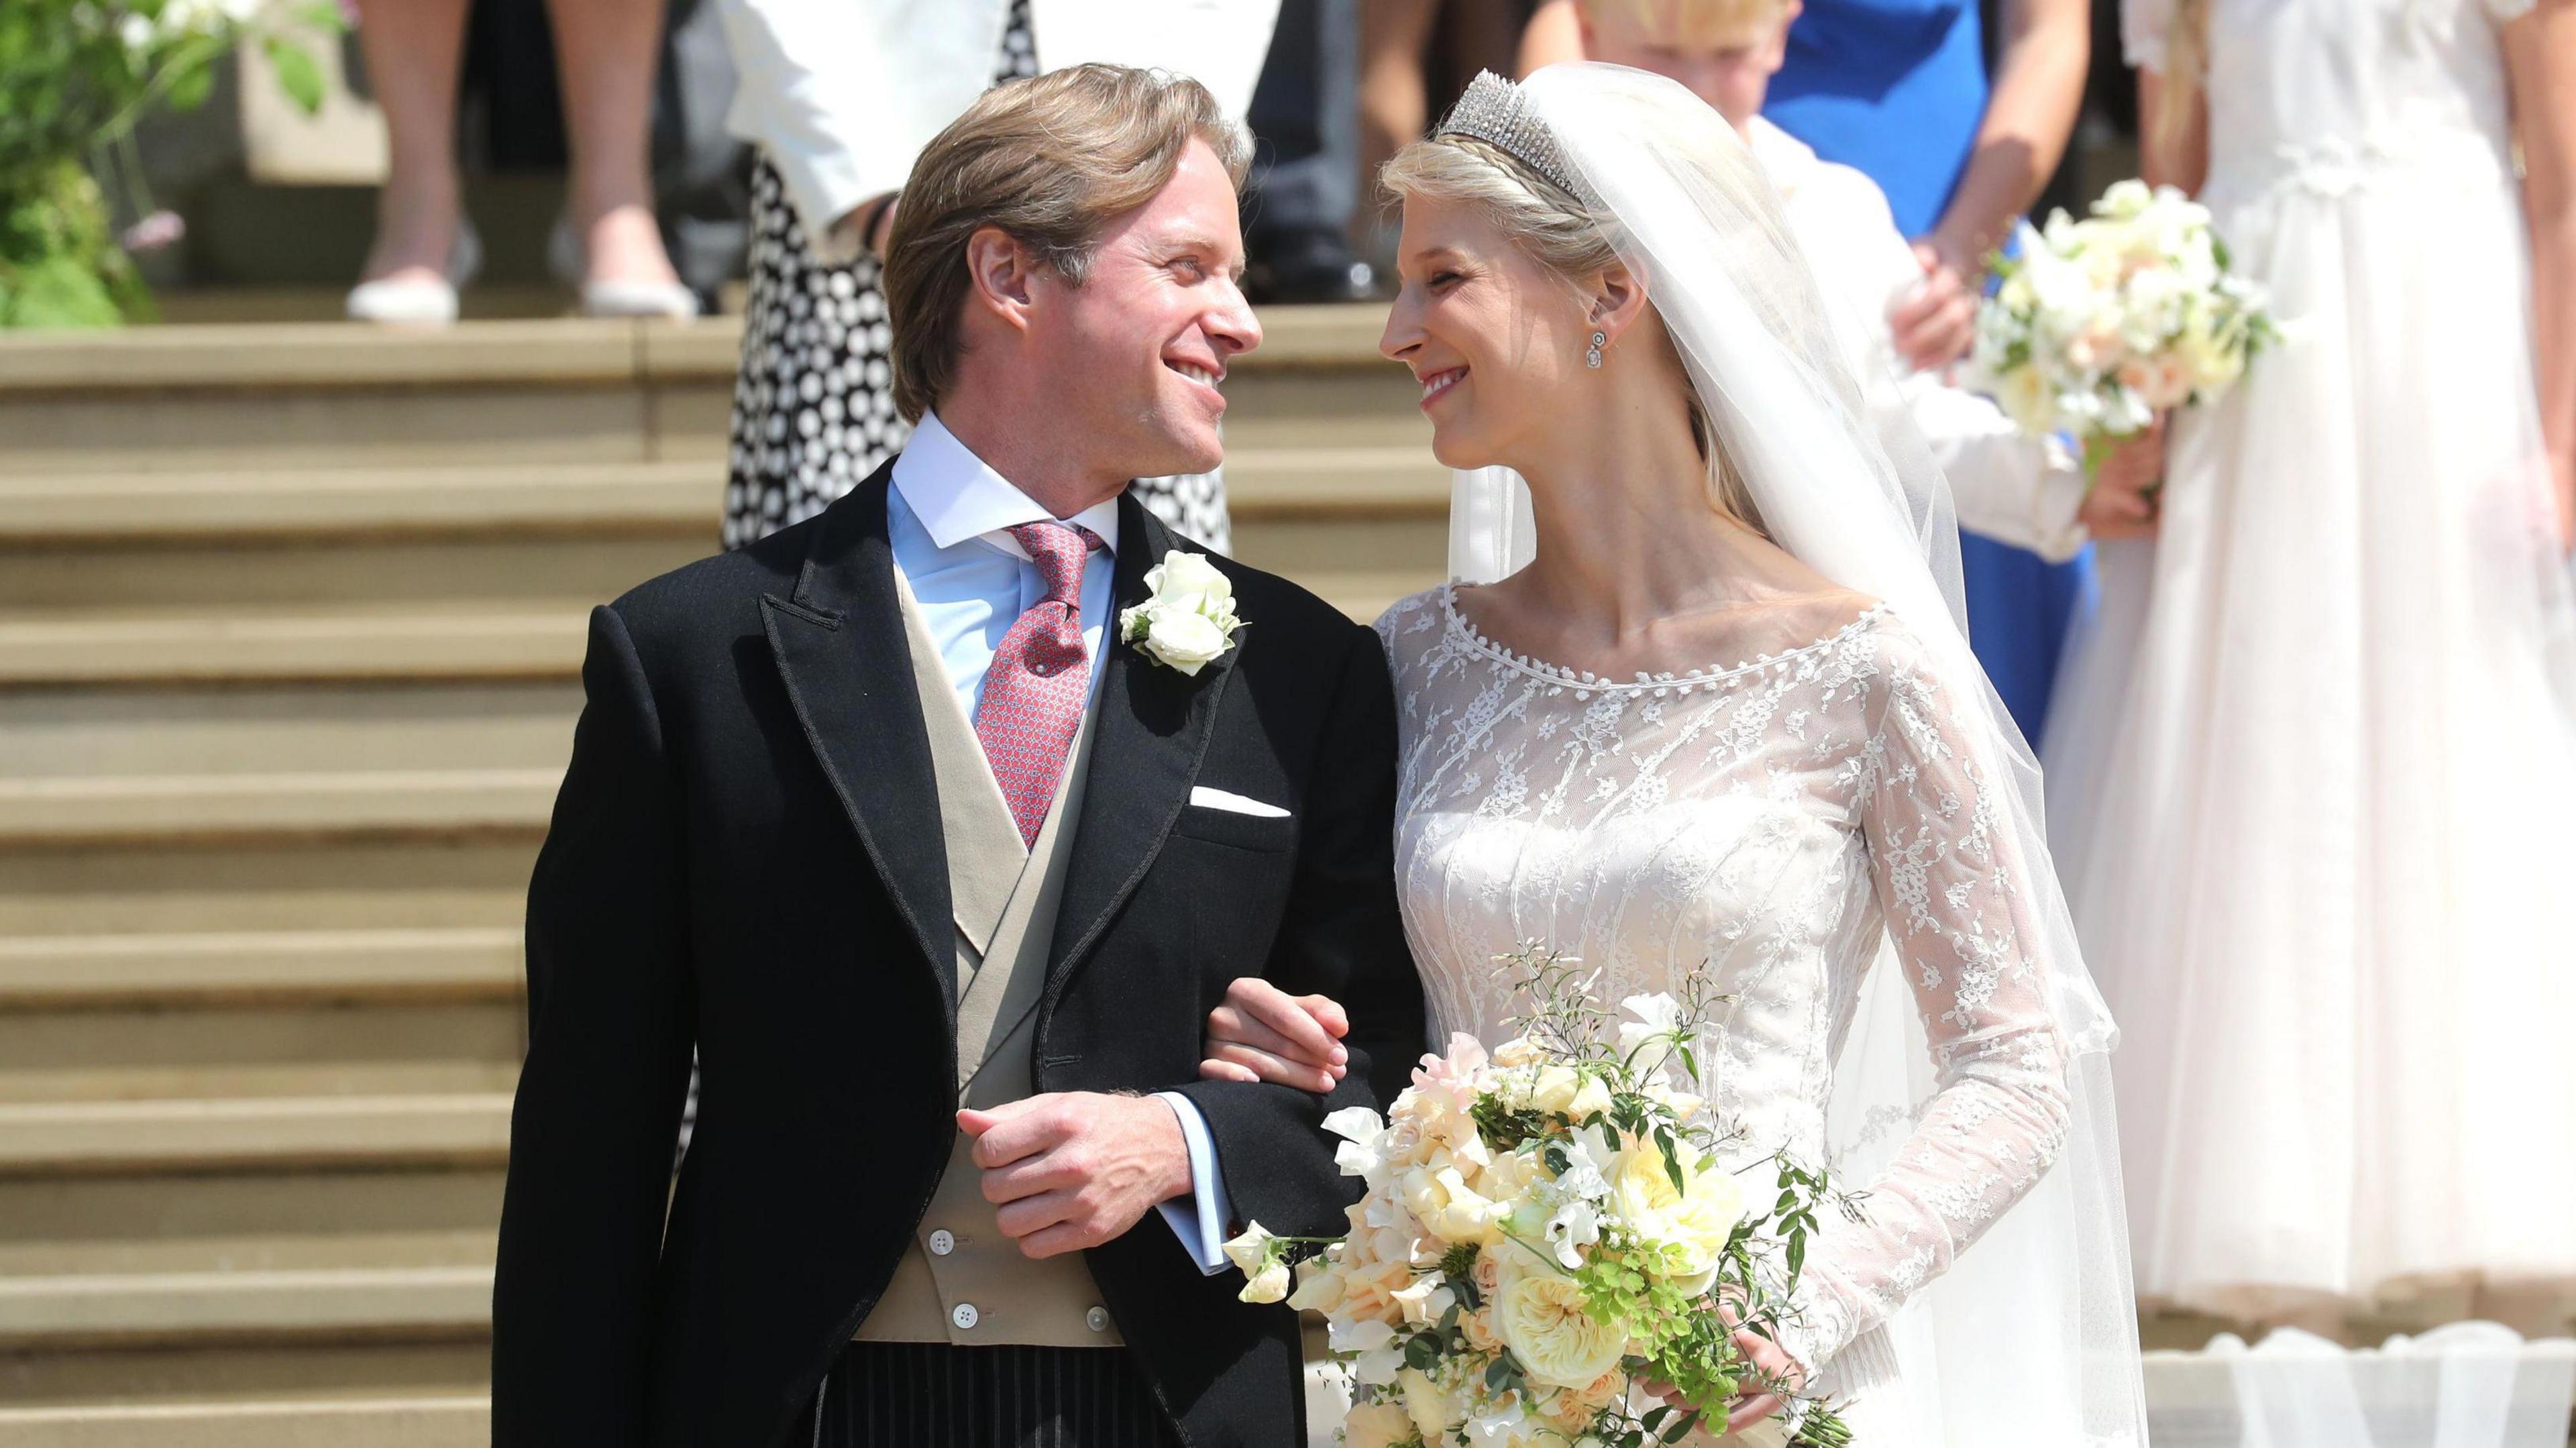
x=1729, y=715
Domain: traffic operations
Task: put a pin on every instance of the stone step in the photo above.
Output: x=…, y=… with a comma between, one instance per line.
x=180, y=646
x=314, y=806
x=461, y=1420
x=214, y=1133
x=209, y=578
x=246, y=1200
x=124, y=509
x=181, y=971
x=266, y=887
x=156, y=1053
x=193, y=1291
x=255, y=729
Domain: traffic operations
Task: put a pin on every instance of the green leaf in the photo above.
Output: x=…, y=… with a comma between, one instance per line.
x=190, y=84
x=298, y=73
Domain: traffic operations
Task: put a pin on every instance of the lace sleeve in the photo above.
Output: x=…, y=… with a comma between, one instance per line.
x=1949, y=881
x=2146, y=31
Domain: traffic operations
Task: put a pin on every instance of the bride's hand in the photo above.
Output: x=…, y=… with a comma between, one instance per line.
x=1262, y=1033
x=2124, y=500
x=1756, y=1398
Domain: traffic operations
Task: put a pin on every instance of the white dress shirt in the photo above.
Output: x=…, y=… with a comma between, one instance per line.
x=2006, y=485
x=948, y=518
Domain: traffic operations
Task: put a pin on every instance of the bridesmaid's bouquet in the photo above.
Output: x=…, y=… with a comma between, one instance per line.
x=1544, y=1233
x=2100, y=324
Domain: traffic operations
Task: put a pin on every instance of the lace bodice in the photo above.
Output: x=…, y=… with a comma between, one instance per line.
x=2324, y=97
x=1779, y=820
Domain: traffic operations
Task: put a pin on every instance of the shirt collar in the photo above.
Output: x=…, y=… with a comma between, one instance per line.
x=957, y=497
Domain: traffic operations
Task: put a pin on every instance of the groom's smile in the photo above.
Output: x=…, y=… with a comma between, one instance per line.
x=1163, y=290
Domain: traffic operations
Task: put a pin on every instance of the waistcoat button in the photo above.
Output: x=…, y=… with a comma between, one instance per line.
x=1098, y=1319
x=965, y=1316
x=941, y=1243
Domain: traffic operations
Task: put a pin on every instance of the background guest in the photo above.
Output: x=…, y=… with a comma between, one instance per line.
x=1306, y=166
x=606, y=242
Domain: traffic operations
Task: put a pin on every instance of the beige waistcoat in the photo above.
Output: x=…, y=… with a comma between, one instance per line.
x=962, y=1281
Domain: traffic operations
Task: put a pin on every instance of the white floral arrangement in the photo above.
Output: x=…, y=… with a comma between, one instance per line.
x=2100, y=324
x=1188, y=621
x=1544, y=1233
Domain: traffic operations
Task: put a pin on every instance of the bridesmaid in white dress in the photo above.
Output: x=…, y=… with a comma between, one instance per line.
x=1727, y=718
x=2313, y=779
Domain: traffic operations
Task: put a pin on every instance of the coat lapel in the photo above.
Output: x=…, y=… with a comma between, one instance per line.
x=848, y=669
x=1152, y=732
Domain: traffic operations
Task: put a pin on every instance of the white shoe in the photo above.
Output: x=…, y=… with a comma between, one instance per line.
x=565, y=258
x=412, y=302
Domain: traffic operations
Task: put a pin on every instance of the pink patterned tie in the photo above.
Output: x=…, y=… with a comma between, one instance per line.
x=1034, y=692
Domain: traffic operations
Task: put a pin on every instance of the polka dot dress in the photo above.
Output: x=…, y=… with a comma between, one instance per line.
x=813, y=404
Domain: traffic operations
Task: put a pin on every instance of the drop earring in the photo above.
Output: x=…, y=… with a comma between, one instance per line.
x=1592, y=358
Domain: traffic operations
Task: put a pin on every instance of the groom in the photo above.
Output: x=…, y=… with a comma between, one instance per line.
x=940, y=878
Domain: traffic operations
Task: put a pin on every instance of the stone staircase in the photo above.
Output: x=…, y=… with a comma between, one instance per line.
x=290, y=626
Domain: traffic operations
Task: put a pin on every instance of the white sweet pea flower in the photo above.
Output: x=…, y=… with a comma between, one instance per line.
x=1360, y=1153
x=1425, y=1300
x=1265, y=1270
x=1646, y=1042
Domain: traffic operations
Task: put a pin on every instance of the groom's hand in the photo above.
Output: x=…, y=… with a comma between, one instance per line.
x=1074, y=1169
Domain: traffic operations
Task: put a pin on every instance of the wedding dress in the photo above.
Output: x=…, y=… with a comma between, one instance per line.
x=1771, y=822
x=2314, y=771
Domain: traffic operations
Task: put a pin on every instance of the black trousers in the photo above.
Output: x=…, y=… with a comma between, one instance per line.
x=932, y=1395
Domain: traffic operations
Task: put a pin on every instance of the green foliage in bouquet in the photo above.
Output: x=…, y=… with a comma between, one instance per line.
x=1547, y=1231
x=76, y=77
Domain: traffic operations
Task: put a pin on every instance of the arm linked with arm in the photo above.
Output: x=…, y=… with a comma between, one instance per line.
x=611, y=1020
x=1342, y=936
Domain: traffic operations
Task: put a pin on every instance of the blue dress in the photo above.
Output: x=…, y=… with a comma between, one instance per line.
x=1896, y=89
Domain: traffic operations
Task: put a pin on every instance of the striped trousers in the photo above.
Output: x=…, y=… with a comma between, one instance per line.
x=933, y=1395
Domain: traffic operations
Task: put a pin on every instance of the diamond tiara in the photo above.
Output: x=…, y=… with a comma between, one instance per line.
x=1495, y=112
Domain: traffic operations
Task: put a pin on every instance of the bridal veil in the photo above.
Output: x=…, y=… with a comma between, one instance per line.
x=2030, y=1340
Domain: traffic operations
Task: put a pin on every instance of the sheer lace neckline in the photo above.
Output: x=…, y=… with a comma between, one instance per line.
x=1477, y=641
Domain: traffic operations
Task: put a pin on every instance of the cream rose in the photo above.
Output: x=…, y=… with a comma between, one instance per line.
x=1427, y=1404
x=1189, y=575
x=1376, y=1425
x=1691, y=1223
x=1541, y=1313
x=1189, y=621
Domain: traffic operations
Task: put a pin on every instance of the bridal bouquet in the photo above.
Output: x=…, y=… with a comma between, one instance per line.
x=2100, y=324
x=1544, y=1233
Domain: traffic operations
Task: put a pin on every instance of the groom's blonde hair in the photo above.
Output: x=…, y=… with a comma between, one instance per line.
x=1050, y=161
x=1555, y=228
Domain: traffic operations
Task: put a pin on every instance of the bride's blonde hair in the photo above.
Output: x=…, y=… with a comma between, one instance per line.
x=1571, y=240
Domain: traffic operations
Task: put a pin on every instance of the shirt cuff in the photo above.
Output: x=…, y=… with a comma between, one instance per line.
x=1200, y=1222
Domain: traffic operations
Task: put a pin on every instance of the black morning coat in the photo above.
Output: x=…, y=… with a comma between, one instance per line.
x=746, y=858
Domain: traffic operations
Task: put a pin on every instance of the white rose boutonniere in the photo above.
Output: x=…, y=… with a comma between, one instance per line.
x=1189, y=621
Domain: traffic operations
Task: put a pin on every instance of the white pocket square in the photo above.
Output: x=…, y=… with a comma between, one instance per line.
x=1206, y=798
